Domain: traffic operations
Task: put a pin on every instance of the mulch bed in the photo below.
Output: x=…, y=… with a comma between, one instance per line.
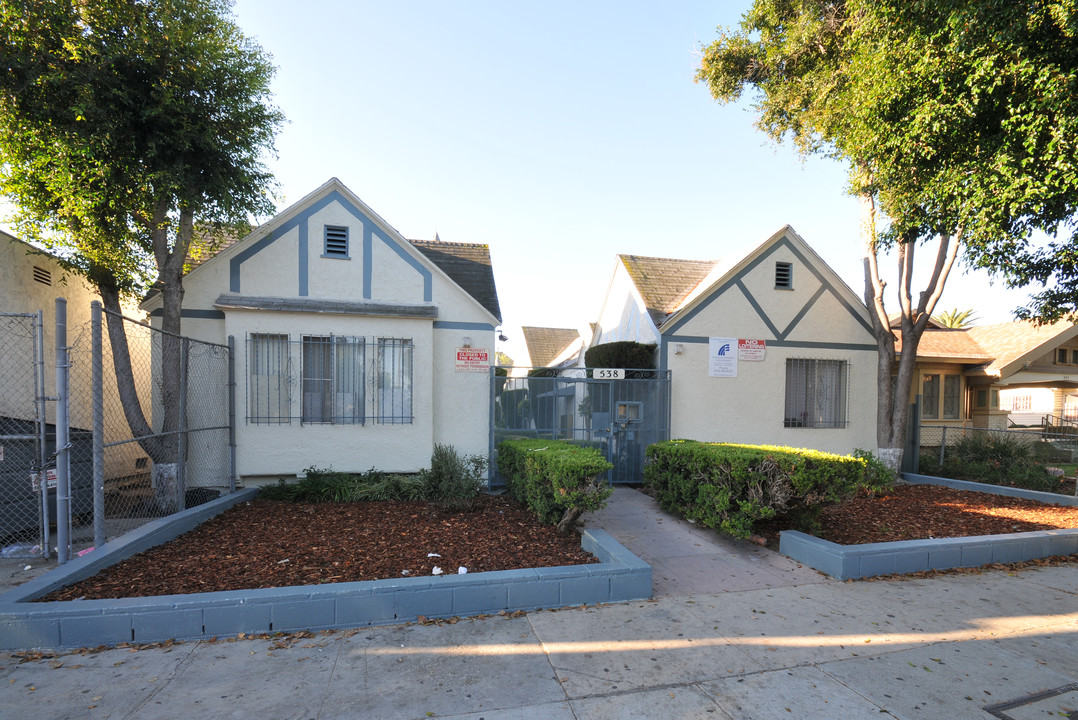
x=917, y=512
x=262, y=544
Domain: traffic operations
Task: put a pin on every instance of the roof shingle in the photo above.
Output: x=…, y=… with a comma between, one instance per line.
x=664, y=282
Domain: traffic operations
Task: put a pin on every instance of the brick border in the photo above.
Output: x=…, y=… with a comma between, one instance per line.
x=619, y=576
x=851, y=562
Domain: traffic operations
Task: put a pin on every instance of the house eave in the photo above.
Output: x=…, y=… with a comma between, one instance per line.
x=330, y=307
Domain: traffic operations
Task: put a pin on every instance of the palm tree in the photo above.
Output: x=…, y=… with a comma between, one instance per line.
x=956, y=318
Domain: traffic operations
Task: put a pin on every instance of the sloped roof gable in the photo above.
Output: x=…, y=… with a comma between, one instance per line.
x=664, y=282
x=545, y=344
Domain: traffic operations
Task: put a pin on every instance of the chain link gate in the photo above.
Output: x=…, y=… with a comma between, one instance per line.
x=24, y=497
x=620, y=412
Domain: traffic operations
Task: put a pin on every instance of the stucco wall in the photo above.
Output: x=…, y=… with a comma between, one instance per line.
x=285, y=259
x=817, y=319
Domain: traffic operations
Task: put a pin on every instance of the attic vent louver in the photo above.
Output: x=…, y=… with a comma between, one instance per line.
x=42, y=276
x=336, y=241
x=784, y=275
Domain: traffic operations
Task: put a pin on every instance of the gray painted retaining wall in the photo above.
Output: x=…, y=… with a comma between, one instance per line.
x=618, y=576
x=849, y=562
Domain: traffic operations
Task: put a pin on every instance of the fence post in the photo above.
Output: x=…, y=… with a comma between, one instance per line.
x=181, y=460
x=63, y=450
x=98, y=395
x=231, y=414
x=943, y=445
x=42, y=455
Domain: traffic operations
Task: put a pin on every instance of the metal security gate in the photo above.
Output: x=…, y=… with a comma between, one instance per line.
x=24, y=495
x=620, y=412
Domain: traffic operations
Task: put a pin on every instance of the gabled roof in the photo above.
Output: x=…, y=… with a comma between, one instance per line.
x=546, y=344
x=1018, y=342
x=1002, y=348
x=468, y=265
x=664, y=282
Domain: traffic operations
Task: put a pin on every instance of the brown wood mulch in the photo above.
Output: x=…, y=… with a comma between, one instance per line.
x=917, y=512
x=264, y=544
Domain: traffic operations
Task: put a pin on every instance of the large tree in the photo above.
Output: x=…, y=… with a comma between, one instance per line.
x=124, y=126
x=957, y=121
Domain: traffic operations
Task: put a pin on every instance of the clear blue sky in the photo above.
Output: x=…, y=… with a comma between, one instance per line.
x=558, y=133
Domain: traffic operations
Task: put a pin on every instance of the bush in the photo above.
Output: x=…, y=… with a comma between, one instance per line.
x=993, y=458
x=623, y=354
x=557, y=480
x=731, y=487
x=453, y=479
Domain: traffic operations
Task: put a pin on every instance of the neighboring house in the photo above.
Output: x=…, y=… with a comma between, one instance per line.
x=355, y=348
x=772, y=347
x=552, y=347
x=31, y=280
x=996, y=376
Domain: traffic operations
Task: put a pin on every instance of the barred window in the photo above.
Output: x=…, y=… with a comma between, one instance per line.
x=333, y=379
x=268, y=381
x=394, y=379
x=816, y=393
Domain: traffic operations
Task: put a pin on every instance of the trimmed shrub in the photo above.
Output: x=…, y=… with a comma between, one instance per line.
x=623, y=354
x=992, y=458
x=557, y=480
x=731, y=487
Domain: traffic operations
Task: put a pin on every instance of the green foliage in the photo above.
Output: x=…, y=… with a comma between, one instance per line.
x=626, y=354
x=453, y=480
x=557, y=480
x=956, y=318
x=878, y=477
x=992, y=458
x=953, y=116
x=731, y=487
x=124, y=124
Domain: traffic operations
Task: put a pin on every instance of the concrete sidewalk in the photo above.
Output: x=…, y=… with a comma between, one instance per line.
x=767, y=640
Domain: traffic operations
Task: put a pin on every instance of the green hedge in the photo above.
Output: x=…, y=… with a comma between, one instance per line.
x=731, y=487
x=557, y=480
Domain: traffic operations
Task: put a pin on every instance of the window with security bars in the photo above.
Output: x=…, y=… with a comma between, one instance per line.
x=816, y=393
x=394, y=381
x=268, y=378
x=333, y=379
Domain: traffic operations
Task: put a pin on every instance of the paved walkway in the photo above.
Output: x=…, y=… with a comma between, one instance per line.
x=765, y=639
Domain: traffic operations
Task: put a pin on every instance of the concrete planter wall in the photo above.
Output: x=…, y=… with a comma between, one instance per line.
x=847, y=562
x=618, y=576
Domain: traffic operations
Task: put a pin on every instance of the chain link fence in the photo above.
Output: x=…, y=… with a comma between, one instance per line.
x=1056, y=445
x=160, y=414
x=23, y=497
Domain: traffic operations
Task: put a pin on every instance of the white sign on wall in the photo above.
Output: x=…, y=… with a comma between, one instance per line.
x=722, y=357
x=751, y=350
x=473, y=359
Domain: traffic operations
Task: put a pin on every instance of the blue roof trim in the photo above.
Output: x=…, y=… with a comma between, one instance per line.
x=303, y=269
x=756, y=306
x=452, y=325
x=193, y=314
x=303, y=259
x=426, y=274
x=736, y=281
x=796, y=344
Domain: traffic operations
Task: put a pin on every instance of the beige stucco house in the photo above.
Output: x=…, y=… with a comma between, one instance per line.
x=768, y=347
x=355, y=347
